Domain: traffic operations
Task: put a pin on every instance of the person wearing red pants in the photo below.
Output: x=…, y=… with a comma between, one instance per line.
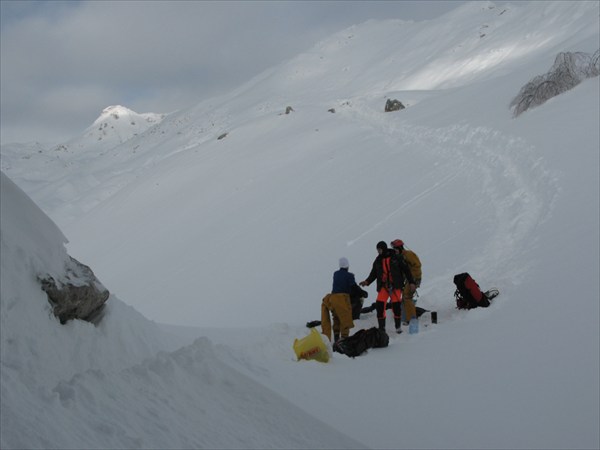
x=391, y=272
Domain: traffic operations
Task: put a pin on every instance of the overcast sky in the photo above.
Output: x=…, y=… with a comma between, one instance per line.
x=63, y=62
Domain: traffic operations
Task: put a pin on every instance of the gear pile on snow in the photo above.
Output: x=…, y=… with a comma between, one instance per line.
x=361, y=341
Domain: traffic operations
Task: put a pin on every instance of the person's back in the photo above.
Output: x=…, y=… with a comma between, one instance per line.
x=343, y=280
x=338, y=303
x=414, y=264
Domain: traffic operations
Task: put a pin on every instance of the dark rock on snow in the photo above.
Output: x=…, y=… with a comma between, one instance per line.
x=393, y=105
x=79, y=295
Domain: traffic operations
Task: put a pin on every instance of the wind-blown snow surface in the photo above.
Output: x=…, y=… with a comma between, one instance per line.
x=238, y=237
x=115, y=386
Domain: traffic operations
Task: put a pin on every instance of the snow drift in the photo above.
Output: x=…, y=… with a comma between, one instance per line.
x=113, y=385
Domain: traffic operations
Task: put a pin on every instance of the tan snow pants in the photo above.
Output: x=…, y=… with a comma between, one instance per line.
x=340, y=308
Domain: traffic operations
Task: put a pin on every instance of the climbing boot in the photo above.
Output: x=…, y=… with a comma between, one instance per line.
x=381, y=324
x=398, y=324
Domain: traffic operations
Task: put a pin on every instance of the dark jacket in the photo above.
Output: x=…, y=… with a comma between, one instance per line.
x=357, y=296
x=398, y=271
x=342, y=282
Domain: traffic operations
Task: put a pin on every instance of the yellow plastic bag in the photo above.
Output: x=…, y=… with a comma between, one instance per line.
x=312, y=347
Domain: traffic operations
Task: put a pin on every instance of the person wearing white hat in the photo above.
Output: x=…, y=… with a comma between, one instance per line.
x=338, y=303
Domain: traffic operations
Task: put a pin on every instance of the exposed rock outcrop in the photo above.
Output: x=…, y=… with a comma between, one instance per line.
x=79, y=295
x=393, y=105
x=569, y=69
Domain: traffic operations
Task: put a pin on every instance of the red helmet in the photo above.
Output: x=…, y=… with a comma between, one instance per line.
x=397, y=243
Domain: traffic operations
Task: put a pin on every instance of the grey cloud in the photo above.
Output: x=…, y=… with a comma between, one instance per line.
x=63, y=62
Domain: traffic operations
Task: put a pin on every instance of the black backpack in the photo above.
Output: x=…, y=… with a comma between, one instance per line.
x=361, y=341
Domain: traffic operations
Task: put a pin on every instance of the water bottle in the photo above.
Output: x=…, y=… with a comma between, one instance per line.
x=413, y=326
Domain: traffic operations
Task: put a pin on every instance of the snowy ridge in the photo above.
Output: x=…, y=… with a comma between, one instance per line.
x=238, y=237
x=233, y=410
x=33, y=246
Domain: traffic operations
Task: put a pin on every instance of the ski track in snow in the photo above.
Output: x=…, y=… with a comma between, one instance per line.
x=402, y=208
x=467, y=150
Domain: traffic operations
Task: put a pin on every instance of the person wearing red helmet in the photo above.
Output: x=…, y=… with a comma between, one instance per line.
x=414, y=264
x=390, y=271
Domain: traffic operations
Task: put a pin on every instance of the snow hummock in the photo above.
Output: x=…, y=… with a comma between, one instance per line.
x=233, y=243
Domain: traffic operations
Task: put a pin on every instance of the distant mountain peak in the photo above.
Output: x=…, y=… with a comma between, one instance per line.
x=115, y=125
x=118, y=112
x=115, y=112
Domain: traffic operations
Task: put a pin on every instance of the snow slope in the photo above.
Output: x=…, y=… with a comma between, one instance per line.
x=112, y=386
x=237, y=238
x=65, y=166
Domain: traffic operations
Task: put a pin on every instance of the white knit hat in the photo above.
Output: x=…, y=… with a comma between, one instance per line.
x=344, y=264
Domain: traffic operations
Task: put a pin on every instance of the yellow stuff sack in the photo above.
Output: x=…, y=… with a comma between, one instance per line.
x=311, y=347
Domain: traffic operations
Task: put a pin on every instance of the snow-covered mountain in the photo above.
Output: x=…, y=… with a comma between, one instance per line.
x=36, y=166
x=230, y=216
x=344, y=72
x=116, y=125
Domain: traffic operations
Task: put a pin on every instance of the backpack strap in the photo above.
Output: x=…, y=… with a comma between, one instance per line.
x=386, y=276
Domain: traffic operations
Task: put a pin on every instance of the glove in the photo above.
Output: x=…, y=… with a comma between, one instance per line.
x=363, y=283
